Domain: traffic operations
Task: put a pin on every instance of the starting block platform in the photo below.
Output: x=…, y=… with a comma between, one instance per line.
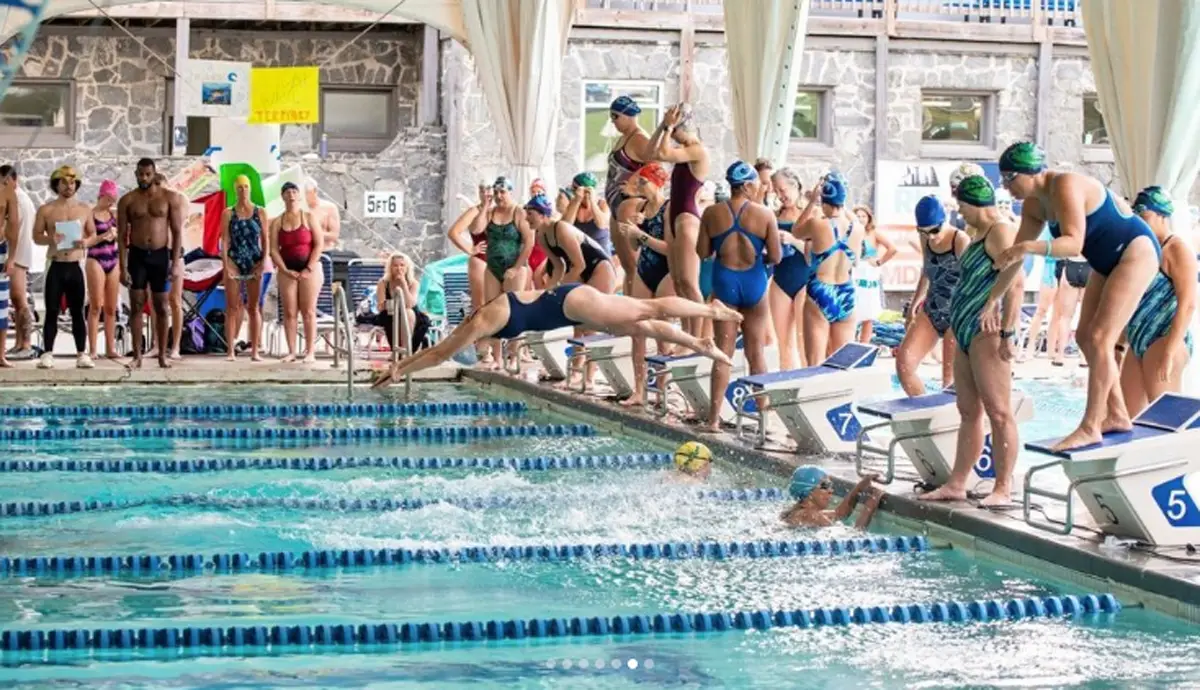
x=553, y=349
x=926, y=428
x=613, y=354
x=816, y=404
x=692, y=375
x=1142, y=484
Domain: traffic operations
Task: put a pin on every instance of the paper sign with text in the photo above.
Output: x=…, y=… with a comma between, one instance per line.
x=285, y=95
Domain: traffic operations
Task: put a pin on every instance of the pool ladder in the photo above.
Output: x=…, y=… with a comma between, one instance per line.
x=401, y=335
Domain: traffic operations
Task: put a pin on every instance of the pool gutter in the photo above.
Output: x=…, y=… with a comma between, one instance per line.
x=1170, y=587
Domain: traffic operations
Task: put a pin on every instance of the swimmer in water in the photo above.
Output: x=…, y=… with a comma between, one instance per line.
x=1125, y=256
x=1158, y=332
x=813, y=490
x=983, y=365
x=695, y=471
x=514, y=313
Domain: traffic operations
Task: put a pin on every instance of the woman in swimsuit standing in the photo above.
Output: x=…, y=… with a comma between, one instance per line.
x=829, y=311
x=509, y=244
x=1158, y=334
x=628, y=154
x=296, y=251
x=929, y=316
x=1085, y=218
x=243, y=247
x=103, y=273
x=788, y=291
x=877, y=250
x=473, y=244
x=690, y=160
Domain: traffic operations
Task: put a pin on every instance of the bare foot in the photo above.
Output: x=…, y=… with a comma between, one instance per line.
x=5, y=364
x=164, y=363
x=944, y=493
x=136, y=363
x=996, y=498
x=112, y=354
x=255, y=357
x=310, y=358
x=287, y=359
x=1114, y=423
x=1077, y=439
x=231, y=357
x=708, y=348
x=720, y=312
x=175, y=355
x=706, y=428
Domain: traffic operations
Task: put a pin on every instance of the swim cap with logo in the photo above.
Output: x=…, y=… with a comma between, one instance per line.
x=502, y=183
x=540, y=204
x=1156, y=199
x=740, y=173
x=653, y=173
x=585, y=179
x=976, y=190
x=833, y=192
x=625, y=106
x=964, y=171
x=1024, y=157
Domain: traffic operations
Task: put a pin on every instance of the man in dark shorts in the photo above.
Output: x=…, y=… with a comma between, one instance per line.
x=150, y=242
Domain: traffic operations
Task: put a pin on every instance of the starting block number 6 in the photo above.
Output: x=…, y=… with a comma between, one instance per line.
x=1177, y=502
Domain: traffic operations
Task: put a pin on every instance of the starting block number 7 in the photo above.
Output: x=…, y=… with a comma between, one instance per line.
x=844, y=422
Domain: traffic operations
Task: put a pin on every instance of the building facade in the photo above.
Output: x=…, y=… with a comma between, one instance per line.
x=401, y=107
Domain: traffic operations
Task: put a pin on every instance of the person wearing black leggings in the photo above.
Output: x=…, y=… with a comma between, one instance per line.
x=63, y=225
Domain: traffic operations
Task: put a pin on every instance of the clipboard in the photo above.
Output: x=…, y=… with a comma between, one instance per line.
x=72, y=232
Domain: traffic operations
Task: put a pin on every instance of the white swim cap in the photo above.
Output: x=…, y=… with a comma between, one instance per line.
x=964, y=171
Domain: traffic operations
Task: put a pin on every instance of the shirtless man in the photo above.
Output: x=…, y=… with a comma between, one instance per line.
x=324, y=213
x=151, y=219
x=8, y=245
x=54, y=226
x=20, y=260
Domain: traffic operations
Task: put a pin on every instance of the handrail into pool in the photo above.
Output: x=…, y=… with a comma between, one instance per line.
x=309, y=463
x=340, y=308
x=401, y=335
x=371, y=634
x=180, y=564
x=245, y=411
x=436, y=433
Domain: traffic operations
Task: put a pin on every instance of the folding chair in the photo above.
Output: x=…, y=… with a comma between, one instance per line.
x=456, y=289
x=362, y=277
x=202, y=276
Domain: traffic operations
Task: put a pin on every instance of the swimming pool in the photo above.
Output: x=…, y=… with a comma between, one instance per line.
x=271, y=508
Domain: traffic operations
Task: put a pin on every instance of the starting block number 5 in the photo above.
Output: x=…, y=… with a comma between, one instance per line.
x=1175, y=499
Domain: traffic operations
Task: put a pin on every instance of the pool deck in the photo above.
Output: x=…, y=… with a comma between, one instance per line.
x=1171, y=586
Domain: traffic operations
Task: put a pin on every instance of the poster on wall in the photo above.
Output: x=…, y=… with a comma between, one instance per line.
x=215, y=88
x=285, y=95
x=899, y=185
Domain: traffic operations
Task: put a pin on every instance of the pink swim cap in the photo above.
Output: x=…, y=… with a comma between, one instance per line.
x=109, y=188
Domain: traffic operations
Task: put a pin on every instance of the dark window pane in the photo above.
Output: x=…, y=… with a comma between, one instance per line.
x=950, y=117
x=30, y=104
x=1094, y=131
x=356, y=113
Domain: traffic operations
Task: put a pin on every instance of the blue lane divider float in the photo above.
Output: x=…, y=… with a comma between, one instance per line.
x=199, y=465
x=275, y=561
x=258, y=411
x=374, y=505
x=366, y=635
x=443, y=434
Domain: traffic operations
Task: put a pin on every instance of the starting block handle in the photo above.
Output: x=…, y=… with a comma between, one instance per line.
x=861, y=445
x=761, y=415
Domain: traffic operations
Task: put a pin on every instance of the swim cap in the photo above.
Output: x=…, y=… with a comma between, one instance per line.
x=109, y=188
x=540, y=204
x=625, y=105
x=241, y=180
x=975, y=190
x=653, y=173
x=833, y=192
x=836, y=175
x=740, y=173
x=65, y=171
x=1156, y=199
x=804, y=480
x=930, y=213
x=585, y=179
x=502, y=183
x=1023, y=157
x=538, y=186
x=288, y=185
x=964, y=171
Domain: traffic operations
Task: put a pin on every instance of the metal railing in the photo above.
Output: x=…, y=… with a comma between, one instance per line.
x=346, y=321
x=401, y=334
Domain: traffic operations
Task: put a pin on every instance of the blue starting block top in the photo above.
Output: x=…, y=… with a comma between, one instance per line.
x=851, y=356
x=1170, y=414
x=887, y=409
x=590, y=339
x=663, y=360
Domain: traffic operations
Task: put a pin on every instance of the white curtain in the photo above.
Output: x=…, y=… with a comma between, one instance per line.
x=764, y=41
x=518, y=46
x=1146, y=60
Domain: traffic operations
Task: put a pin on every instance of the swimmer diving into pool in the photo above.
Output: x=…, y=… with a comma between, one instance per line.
x=813, y=490
x=1084, y=217
x=514, y=313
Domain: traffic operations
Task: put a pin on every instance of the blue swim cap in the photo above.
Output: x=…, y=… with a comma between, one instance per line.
x=502, y=183
x=930, y=213
x=740, y=173
x=625, y=106
x=833, y=192
x=540, y=204
x=804, y=480
x=1154, y=199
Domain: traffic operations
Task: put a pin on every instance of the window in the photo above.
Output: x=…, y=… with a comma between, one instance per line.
x=599, y=134
x=199, y=136
x=808, y=118
x=38, y=113
x=357, y=119
x=1094, y=131
x=957, y=118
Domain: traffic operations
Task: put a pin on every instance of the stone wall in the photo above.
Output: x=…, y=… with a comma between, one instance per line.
x=121, y=99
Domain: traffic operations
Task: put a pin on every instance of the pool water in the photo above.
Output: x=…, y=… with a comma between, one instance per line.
x=557, y=507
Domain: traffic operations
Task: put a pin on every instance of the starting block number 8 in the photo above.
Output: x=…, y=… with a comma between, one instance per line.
x=736, y=392
x=1175, y=499
x=985, y=466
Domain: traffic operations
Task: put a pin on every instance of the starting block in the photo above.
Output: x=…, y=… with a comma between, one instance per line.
x=926, y=428
x=552, y=349
x=692, y=375
x=613, y=354
x=816, y=404
x=1141, y=484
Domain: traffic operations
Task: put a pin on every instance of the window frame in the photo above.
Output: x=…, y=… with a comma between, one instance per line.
x=584, y=108
x=40, y=137
x=338, y=143
x=984, y=148
x=168, y=122
x=822, y=145
x=1094, y=153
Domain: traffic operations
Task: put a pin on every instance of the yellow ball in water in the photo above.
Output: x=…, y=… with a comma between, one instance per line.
x=692, y=456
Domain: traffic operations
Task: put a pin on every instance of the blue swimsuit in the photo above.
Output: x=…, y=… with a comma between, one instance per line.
x=245, y=243
x=1154, y=314
x=943, y=271
x=836, y=302
x=545, y=313
x=793, y=272
x=739, y=288
x=977, y=276
x=651, y=265
x=1107, y=233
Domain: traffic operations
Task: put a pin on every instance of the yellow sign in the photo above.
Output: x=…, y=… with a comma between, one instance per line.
x=284, y=95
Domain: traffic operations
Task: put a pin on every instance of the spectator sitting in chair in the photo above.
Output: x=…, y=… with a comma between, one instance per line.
x=400, y=278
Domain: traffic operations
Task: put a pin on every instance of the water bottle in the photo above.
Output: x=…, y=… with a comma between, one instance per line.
x=324, y=148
